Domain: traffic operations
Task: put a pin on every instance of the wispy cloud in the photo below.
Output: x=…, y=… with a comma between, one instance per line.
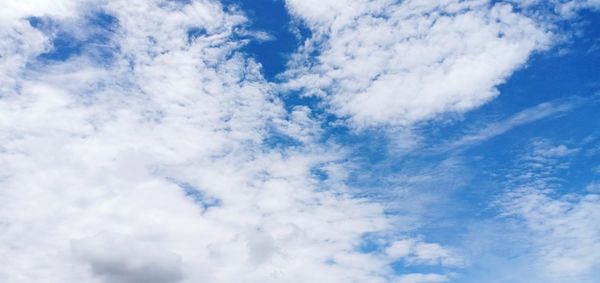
x=560, y=227
x=530, y=115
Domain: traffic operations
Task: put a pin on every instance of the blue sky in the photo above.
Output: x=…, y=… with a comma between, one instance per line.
x=300, y=141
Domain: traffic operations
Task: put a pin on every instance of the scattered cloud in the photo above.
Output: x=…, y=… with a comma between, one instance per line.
x=561, y=227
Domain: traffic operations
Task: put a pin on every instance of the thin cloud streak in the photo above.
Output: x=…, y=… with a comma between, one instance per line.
x=541, y=111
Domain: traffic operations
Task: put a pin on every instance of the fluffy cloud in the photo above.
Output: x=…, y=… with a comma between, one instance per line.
x=390, y=62
x=151, y=163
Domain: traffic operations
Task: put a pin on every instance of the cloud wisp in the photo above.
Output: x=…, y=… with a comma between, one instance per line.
x=530, y=115
x=561, y=228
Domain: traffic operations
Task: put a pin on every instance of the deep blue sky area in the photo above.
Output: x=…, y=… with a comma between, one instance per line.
x=272, y=17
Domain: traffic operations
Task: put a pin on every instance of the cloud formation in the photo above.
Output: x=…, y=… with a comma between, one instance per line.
x=538, y=112
x=144, y=156
x=561, y=228
x=389, y=62
x=140, y=143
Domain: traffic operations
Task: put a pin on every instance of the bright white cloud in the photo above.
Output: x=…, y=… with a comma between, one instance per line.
x=390, y=62
x=151, y=165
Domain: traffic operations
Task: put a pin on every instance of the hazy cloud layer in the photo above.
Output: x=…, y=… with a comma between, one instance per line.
x=561, y=228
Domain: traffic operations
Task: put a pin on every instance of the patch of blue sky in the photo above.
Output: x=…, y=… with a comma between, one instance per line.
x=272, y=17
x=293, y=99
x=196, y=32
x=319, y=173
x=196, y=195
x=372, y=243
x=278, y=140
x=94, y=42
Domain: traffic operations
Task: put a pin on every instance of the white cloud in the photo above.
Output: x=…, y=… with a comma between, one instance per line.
x=153, y=163
x=593, y=187
x=401, y=248
x=388, y=62
x=15, y=10
x=414, y=251
x=20, y=43
x=423, y=278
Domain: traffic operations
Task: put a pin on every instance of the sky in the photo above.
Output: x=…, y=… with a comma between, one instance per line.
x=167, y=141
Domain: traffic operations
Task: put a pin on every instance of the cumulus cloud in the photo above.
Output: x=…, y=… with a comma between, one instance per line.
x=389, y=62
